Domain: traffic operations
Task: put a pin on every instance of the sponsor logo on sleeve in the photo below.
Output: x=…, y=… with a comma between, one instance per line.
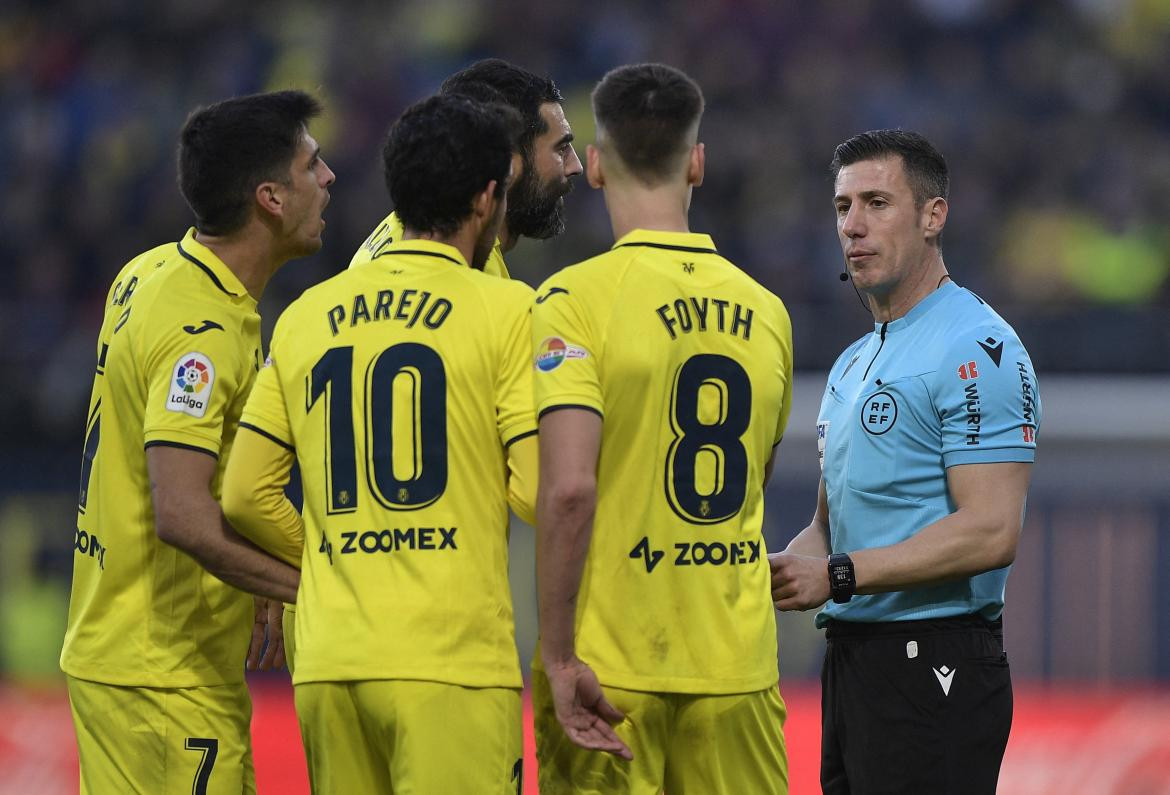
x=553, y=351
x=551, y=292
x=968, y=371
x=992, y=348
x=191, y=385
x=822, y=436
x=207, y=325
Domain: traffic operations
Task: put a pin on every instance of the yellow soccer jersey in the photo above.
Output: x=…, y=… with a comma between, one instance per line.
x=689, y=363
x=177, y=354
x=391, y=229
x=400, y=386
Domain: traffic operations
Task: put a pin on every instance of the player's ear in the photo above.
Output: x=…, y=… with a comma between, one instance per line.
x=484, y=203
x=696, y=165
x=593, y=171
x=270, y=198
x=934, y=216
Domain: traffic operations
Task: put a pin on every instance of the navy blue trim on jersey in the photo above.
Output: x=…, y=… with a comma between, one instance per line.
x=518, y=437
x=669, y=247
x=210, y=274
x=559, y=406
x=268, y=436
x=420, y=253
x=181, y=446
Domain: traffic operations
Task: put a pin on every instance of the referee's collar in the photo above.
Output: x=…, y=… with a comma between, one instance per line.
x=674, y=241
x=427, y=248
x=220, y=274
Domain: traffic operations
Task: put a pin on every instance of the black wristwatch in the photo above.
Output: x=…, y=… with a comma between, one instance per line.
x=842, y=580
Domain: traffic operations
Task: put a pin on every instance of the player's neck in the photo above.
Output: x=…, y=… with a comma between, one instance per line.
x=662, y=209
x=906, y=294
x=250, y=257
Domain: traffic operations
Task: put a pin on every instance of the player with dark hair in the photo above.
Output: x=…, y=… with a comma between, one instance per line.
x=547, y=165
x=663, y=383
x=404, y=390
x=158, y=632
x=927, y=434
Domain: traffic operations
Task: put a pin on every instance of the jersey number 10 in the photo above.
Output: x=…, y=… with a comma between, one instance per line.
x=419, y=373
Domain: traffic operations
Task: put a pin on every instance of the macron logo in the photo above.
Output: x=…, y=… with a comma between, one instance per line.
x=945, y=676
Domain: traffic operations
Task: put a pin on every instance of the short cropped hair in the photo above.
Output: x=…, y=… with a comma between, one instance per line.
x=441, y=153
x=229, y=148
x=522, y=90
x=926, y=170
x=649, y=112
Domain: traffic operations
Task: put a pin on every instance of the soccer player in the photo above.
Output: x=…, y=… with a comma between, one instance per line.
x=157, y=633
x=927, y=431
x=536, y=200
x=404, y=390
x=663, y=383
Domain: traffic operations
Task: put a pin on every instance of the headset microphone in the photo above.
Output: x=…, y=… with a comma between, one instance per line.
x=844, y=276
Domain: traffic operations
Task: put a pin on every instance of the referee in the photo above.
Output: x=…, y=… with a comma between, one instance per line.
x=926, y=434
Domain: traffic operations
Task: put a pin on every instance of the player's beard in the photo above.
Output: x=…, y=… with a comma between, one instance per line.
x=536, y=210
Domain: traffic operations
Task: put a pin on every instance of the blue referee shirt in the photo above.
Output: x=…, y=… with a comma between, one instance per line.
x=949, y=383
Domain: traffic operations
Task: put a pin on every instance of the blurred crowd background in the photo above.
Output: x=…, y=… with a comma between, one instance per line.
x=1054, y=116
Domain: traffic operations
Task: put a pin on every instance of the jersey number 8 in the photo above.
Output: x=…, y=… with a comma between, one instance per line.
x=711, y=407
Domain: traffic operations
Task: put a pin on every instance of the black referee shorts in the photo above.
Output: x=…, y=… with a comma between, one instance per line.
x=914, y=707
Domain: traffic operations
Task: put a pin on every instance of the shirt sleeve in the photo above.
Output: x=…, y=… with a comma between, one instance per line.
x=523, y=468
x=266, y=412
x=987, y=399
x=565, y=373
x=254, y=499
x=514, y=416
x=191, y=383
x=259, y=468
x=785, y=330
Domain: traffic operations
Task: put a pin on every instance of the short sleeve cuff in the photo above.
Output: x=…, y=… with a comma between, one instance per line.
x=1001, y=455
x=269, y=435
x=173, y=437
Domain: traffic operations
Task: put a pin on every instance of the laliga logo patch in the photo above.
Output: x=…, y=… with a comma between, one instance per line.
x=555, y=350
x=879, y=412
x=191, y=385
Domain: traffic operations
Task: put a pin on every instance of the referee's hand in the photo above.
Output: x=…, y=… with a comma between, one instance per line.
x=799, y=582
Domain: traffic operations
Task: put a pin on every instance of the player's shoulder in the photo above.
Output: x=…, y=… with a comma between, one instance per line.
x=970, y=320
x=601, y=271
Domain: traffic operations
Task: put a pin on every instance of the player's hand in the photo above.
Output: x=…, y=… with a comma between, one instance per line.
x=799, y=582
x=268, y=623
x=583, y=710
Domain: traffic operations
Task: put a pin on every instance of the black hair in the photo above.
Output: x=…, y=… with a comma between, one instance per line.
x=926, y=170
x=442, y=152
x=227, y=149
x=522, y=90
x=648, y=112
